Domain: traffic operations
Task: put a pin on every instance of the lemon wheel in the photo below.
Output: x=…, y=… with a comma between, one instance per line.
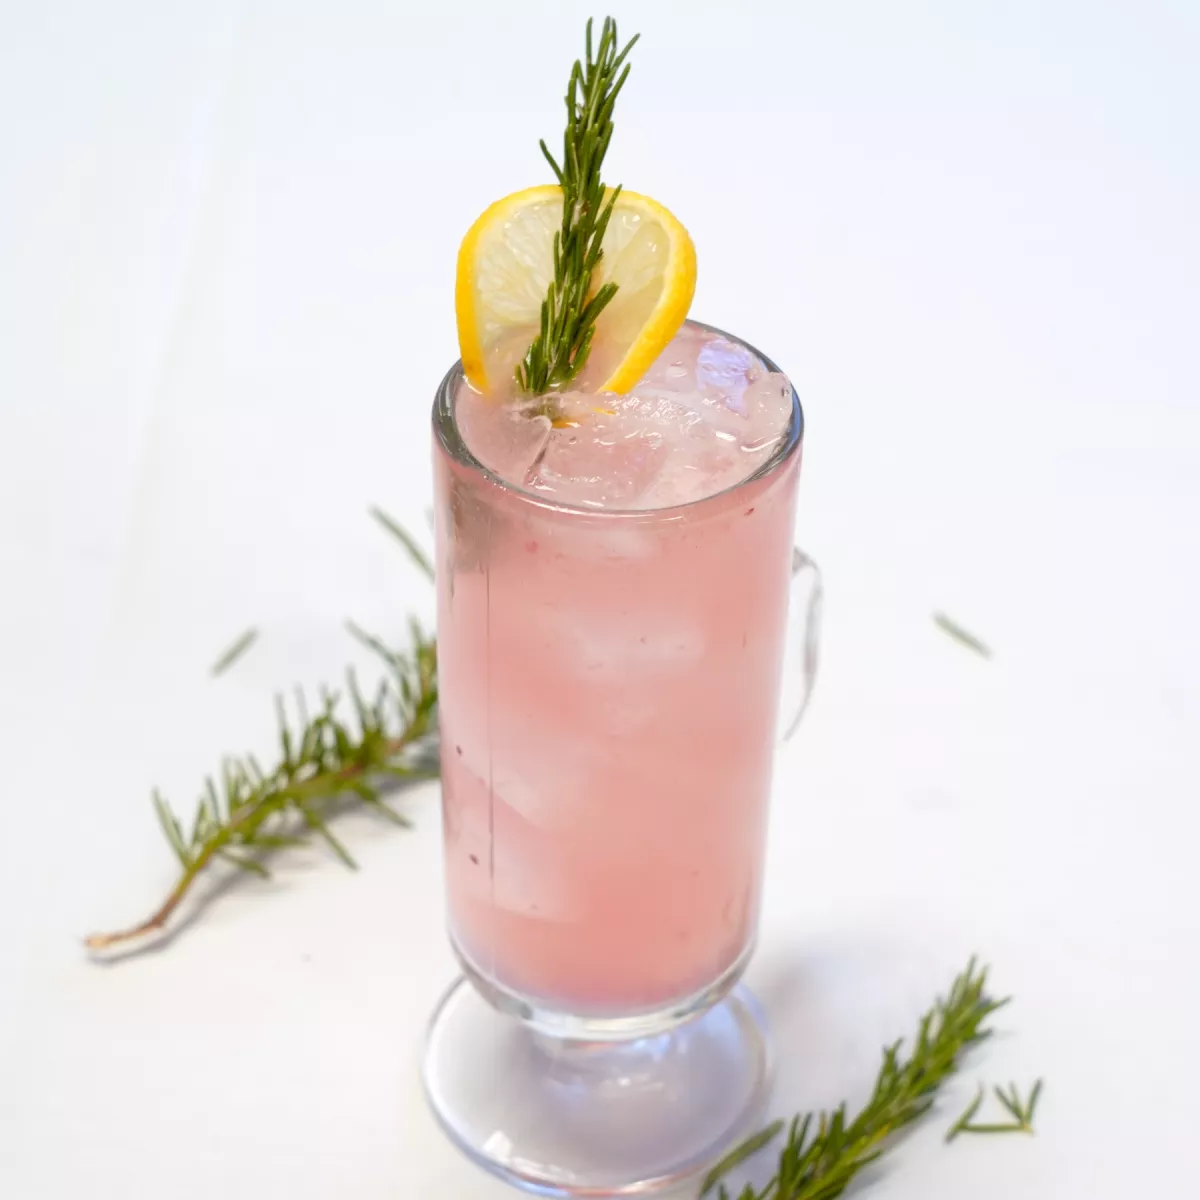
x=506, y=265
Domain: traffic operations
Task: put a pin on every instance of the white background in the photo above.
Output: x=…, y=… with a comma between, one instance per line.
x=969, y=232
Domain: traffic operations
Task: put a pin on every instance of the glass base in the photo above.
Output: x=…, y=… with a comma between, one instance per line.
x=561, y=1026
x=569, y=1117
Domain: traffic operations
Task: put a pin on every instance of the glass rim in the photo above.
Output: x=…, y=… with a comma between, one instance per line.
x=452, y=442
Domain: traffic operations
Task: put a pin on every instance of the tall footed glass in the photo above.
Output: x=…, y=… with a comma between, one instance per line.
x=609, y=687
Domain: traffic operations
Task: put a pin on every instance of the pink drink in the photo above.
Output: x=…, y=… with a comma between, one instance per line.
x=611, y=626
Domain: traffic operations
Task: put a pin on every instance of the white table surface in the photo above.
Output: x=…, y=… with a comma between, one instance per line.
x=968, y=230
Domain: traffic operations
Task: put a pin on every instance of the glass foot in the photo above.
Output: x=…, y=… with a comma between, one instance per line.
x=595, y=1118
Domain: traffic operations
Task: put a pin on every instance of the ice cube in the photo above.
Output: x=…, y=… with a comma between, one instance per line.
x=736, y=431
x=675, y=367
x=623, y=645
x=604, y=451
x=514, y=864
x=767, y=406
x=723, y=370
x=535, y=754
x=507, y=439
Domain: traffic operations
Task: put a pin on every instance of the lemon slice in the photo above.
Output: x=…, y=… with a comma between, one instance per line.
x=506, y=263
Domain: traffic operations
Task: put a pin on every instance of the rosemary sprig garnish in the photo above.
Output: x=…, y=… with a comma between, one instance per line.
x=1020, y=1111
x=248, y=812
x=569, y=311
x=824, y=1151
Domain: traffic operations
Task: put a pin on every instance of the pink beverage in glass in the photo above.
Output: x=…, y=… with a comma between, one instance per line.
x=613, y=589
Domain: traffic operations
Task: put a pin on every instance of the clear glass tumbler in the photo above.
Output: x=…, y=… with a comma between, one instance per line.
x=609, y=687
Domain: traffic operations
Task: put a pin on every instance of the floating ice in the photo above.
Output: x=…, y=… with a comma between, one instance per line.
x=705, y=416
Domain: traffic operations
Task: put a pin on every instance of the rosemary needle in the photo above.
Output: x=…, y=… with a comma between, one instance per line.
x=234, y=652
x=953, y=629
x=963, y=1121
x=406, y=539
x=739, y=1154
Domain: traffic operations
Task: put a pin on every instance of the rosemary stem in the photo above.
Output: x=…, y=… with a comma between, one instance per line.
x=104, y=941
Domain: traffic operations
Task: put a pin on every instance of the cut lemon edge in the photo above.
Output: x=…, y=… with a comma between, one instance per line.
x=505, y=266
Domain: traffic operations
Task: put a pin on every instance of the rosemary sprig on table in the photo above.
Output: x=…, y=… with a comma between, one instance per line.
x=1020, y=1111
x=824, y=1151
x=351, y=746
x=569, y=311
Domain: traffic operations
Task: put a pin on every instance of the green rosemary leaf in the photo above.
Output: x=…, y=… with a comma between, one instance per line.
x=287, y=762
x=418, y=556
x=1032, y=1105
x=318, y=826
x=375, y=644
x=342, y=741
x=1011, y=1103
x=301, y=706
x=550, y=159
x=256, y=771
x=245, y=864
x=360, y=708
x=959, y=634
x=170, y=827
x=967, y=1114
x=739, y=1154
x=235, y=651
x=364, y=791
